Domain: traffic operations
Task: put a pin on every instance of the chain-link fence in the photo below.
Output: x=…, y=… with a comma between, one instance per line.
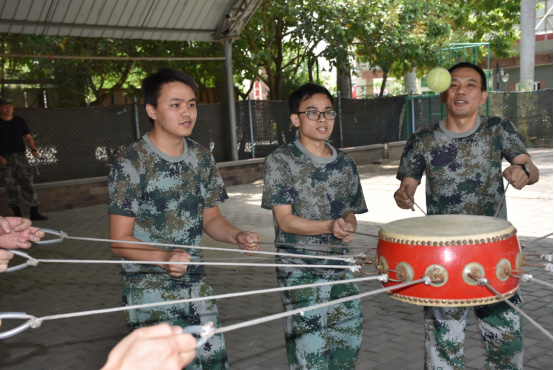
x=83, y=142
x=531, y=112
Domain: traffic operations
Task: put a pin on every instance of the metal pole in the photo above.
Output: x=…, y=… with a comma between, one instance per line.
x=231, y=98
x=340, y=119
x=135, y=108
x=251, y=127
x=407, y=118
x=413, y=115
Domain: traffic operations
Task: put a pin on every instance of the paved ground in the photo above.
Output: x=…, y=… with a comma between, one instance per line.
x=392, y=330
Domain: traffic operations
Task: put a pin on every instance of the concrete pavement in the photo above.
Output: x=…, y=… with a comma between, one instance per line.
x=393, y=331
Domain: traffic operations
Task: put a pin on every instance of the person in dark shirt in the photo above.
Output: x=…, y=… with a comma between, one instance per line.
x=14, y=166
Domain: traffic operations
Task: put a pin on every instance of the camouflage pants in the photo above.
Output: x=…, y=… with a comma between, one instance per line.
x=324, y=338
x=501, y=329
x=18, y=172
x=140, y=289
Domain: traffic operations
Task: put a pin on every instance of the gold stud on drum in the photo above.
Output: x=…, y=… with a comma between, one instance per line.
x=383, y=266
x=503, y=269
x=438, y=275
x=405, y=272
x=472, y=272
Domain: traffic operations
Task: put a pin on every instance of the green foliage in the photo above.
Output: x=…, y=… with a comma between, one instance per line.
x=280, y=46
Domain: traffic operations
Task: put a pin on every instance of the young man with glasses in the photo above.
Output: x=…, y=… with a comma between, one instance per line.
x=314, y=192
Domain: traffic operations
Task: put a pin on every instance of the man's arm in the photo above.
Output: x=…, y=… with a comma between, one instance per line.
x=405, y=193
x=293, y=224
x=32, y=146
x=121, y=228
x=219, y=228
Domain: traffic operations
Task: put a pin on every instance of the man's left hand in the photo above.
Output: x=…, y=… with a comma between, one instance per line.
x=516, y=176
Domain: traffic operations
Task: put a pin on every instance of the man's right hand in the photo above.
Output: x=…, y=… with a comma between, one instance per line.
x=177, y=256
x=405, y=193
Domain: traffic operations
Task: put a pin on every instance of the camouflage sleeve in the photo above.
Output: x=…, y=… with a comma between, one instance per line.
x=123, y=188
x=278, y=183
x=215, y=187
x=512, y=142
x=412, y=162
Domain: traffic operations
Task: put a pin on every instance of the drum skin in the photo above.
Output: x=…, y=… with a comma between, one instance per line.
x=453, y=250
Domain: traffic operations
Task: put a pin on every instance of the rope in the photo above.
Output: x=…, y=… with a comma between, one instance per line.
x=528, y=277
x=484, y=282
x=65, y=236
x=538, y=239
x=221, y=296
x=321, y=305
x=351, y=267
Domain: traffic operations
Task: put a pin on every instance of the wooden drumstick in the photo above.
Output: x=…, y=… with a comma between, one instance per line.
x=413, y=201
x=503, y=199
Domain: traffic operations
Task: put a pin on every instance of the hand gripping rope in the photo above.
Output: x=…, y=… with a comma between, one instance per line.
x=204, y=332
x=62, y=235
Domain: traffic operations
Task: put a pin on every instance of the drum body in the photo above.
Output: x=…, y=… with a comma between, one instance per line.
x=453, y=250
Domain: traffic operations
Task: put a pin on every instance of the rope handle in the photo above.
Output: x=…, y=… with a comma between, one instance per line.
x=32, y=322
x=30, y=261
x=203, y=331
x=62, y=235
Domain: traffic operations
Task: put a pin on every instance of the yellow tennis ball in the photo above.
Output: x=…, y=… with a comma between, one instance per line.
x=438, y=79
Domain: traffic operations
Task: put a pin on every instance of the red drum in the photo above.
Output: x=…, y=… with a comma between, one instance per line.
x=453, y=250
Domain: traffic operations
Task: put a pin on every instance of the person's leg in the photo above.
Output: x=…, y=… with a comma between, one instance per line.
x=9, y=181
x=444, y=337
x=213, y=354
x=306, y=336
x=344, y=326
x=137, y=290
x=502, y=331
x=24, y=178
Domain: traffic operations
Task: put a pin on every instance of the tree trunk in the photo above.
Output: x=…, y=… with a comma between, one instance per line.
x=344, y=83
x=384, y=84
x=410, y=83
x=527, y=44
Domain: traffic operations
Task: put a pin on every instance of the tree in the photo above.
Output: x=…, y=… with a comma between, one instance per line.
x=402, y=35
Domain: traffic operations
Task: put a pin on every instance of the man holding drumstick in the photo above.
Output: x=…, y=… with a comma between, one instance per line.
x=462, y=160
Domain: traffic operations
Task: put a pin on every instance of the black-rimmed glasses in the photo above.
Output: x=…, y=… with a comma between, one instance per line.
x=314, y=115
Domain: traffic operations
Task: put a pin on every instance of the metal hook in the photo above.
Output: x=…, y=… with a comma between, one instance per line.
x=61, y=235
x=30, y=261
x=20, y=328
x=203, y=331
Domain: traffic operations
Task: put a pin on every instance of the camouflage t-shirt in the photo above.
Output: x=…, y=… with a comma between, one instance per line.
x=166, y=195
x=464, y=170
x=317, y=188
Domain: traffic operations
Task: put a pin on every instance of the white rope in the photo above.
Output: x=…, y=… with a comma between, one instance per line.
x=321, y=305
x=353, y=268
x=529, y=277
x=485, y=282
x=221, y=296
x=65, y=236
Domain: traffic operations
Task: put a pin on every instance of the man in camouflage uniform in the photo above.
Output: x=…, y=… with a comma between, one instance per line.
x=166, y=188
x=14, y=166
x=314, y=191
x=462, y=159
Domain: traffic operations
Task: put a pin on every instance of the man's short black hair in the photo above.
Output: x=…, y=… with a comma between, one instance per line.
x=472, y=66
x=152, y=85
x=305, y=92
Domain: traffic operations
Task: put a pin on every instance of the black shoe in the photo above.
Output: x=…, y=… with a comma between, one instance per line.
x=35, y=216
x=17, y=211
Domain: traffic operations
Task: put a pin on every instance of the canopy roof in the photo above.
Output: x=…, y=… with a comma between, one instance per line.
x=171, y=20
